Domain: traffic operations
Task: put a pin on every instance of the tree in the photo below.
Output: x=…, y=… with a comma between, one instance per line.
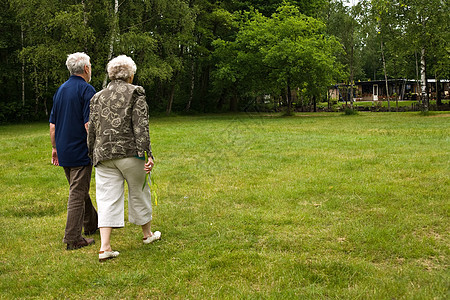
x=428, y=27
x=382, y=13
x=49, y=31
x=311, y=8
x=114, y=32
x=281, y=53
x=159, y=35
x=213, y=20
x=342, y=22
x=12, y=95
x=412, y=32
x=204, y=54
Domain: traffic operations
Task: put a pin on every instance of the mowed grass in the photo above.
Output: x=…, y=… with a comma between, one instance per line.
x=315, y=206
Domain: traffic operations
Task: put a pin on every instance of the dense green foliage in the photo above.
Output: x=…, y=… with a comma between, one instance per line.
x=274, y=55
x=208, y=55
x=250, y=206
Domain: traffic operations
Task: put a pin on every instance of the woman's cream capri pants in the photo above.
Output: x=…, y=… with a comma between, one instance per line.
x=109, y=178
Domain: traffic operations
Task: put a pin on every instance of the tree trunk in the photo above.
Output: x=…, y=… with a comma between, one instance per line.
x=169, y=104
x=36, y=92
x=191, y=93
x=351, y=77
x=423, y=79
x=204, y=86
x=438, y=92
x=221, y=100
x=302, y=100
x=402, y=97
x=396, y=96
x=114, y=29
x=23, y=67
x=385, y=76
x=328, y=99
x=234, y=103
x=315, y=103
x=45, y=97
x=289, y=97
x=346, y=95
x=84, y=23
x=339, y=94
x=418, y=83
x=352, y=54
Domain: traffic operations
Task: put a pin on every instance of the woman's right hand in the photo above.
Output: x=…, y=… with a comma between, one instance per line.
x=149, y=165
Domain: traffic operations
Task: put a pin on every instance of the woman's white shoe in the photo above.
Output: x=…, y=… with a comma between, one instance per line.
x=104, y=255
x=155, y=236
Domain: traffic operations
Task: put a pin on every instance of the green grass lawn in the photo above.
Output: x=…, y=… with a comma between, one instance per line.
x=315, y=206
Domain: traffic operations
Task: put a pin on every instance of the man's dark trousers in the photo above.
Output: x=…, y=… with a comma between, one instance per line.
x=80, y=211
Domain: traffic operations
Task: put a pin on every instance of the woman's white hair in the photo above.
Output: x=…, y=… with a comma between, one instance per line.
x=75, y=62
x=122, y=67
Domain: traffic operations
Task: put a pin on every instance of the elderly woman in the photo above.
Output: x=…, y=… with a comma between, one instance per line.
x=118, y=138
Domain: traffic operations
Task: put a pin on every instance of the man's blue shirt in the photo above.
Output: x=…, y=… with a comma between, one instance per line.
x=69, y=114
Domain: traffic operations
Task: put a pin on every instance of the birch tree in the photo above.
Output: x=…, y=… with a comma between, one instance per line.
x=114, y=33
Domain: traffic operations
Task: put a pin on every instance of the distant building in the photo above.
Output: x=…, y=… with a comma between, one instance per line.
x=404, y=89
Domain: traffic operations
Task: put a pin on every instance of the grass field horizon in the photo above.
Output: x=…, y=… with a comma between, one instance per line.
x=314, y=206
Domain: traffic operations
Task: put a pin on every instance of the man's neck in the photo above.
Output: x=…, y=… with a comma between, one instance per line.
x=84, y=76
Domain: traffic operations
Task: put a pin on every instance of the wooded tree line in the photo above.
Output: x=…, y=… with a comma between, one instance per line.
x=208, y=55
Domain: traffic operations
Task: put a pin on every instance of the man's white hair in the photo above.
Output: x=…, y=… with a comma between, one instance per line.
x=76, y=61
x=122, y=67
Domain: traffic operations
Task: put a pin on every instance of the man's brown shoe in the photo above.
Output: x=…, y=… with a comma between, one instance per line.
x=80, y=244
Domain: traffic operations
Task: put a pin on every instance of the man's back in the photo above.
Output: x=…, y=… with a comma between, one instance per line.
x=69, y=114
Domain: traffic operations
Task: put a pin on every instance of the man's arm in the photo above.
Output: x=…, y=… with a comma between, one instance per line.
x=52, y=139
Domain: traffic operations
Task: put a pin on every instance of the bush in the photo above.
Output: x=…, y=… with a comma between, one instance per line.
x=348, y=111
x=13, y=112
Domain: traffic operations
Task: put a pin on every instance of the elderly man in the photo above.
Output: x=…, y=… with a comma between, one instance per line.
x=68, y=132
